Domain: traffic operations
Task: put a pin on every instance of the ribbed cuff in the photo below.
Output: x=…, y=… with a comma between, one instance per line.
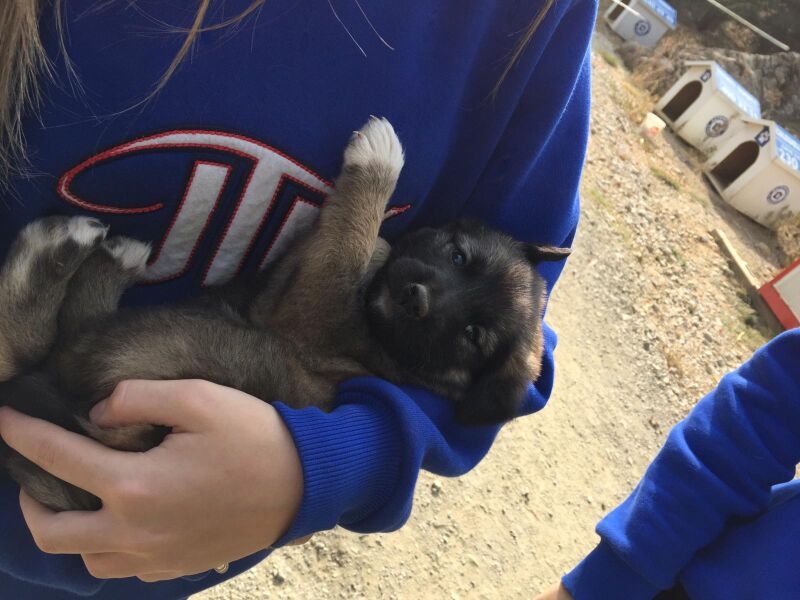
x=603, y=575
x=350, y=460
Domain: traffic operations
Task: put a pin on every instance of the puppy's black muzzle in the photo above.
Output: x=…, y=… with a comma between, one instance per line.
x=413, y=285
x=416, y=301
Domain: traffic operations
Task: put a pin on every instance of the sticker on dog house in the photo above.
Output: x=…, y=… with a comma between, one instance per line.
x=782, y=295
x=643, y=21
x=705, y=106
x=717, y=126
x=757, y=171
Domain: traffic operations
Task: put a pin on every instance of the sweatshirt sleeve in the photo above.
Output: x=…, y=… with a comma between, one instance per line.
x=717, y=464
x=361, y=461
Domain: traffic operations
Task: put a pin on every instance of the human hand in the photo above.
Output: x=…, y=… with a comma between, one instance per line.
x=224, y=484
x=556, y=592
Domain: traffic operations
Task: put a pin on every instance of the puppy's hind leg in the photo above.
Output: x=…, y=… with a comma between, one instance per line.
x=95, y=289
x=93, y=295
x=35, y=394
x=33, y=281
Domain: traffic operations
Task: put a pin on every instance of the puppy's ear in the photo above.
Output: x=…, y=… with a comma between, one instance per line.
x=537, y=253
x=495, y=396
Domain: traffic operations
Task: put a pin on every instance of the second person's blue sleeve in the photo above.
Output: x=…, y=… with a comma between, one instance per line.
x=719, y=463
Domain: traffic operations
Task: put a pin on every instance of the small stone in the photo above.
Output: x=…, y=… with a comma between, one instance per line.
x=436, y=487
x=277, y=577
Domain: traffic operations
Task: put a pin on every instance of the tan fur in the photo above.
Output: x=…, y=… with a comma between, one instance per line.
x=6, y=362
x=133, y=438
x=537, y=349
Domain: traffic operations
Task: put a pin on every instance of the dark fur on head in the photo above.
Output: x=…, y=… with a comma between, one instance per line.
x=461, y=306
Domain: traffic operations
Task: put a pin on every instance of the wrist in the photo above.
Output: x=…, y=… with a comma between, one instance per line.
x=349, y=462
x=291, y=473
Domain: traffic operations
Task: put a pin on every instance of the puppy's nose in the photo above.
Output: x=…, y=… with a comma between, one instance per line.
x=416, y=300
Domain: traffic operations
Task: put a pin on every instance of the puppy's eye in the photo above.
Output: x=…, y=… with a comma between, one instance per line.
x=471, y=333
x=458, y=258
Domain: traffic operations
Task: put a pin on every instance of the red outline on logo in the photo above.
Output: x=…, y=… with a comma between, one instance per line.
x=65, y=181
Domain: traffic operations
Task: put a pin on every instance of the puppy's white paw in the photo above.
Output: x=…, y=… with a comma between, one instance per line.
x=130, y=254
x=86, y=231
x=52, y=232
x=59, y=244
x=374, y=144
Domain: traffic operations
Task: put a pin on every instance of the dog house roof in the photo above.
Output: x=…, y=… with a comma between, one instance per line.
x=730, y=88
x=788, y=148
x=668, y=14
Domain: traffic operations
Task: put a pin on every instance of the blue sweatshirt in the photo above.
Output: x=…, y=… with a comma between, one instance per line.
x=236, y=154
x=713, y=510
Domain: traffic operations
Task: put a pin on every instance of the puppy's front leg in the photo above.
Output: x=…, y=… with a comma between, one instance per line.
x=337, y=257
x=350, y=220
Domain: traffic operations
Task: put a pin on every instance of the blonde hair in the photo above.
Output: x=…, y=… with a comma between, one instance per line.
x=24, y=63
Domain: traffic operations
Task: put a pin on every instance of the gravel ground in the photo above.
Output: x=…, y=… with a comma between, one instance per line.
x=649, y=317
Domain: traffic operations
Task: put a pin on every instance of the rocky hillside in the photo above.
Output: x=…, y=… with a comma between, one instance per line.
x=773, y=78
x=720, y=31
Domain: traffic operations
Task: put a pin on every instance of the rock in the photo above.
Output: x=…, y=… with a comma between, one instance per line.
x=277, y=577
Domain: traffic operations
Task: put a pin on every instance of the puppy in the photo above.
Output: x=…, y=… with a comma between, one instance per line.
x=456, y=310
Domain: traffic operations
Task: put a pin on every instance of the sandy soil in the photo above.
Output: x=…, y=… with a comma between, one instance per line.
x=649, y=317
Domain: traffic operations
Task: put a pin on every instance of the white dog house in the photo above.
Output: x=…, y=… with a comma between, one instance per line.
x=643, y=21
x=757, y=171
x=706, y=105
x=782, y=294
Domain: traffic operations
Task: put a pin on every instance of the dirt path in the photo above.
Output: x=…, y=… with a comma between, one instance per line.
x=648, y=318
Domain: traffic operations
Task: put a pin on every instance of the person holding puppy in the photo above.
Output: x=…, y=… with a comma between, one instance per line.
x=227, y=159
x=715, y=516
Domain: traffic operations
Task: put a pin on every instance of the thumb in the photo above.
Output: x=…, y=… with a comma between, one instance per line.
x=142, y=402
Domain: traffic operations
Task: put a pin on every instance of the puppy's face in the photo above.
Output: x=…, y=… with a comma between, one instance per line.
x=460, y=307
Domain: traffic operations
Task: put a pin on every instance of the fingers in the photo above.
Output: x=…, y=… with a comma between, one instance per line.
x=170, y=403
x=70, y=532
x=116, y=565
x=69, y=456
